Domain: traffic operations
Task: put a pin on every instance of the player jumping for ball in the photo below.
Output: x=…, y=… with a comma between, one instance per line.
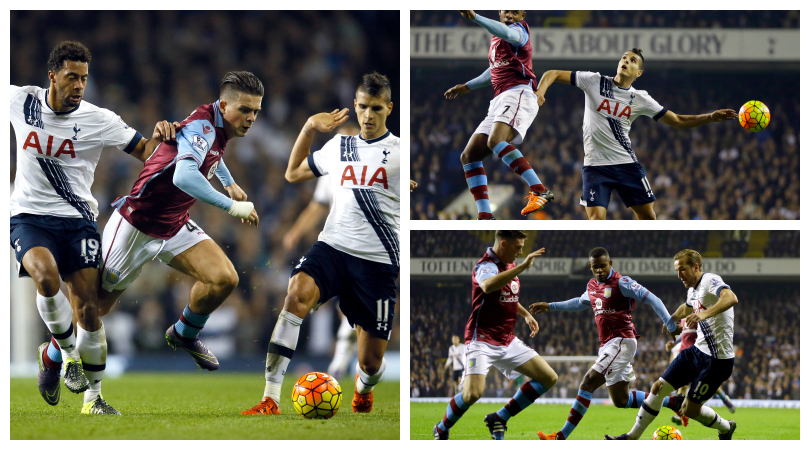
x=54, y=233
x=708, y=363
x=357, y=253
x=490, y=337
x=510, y=113
x=611, y=106
x=612, y=298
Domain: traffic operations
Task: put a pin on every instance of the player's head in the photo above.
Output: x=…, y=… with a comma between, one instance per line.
x=631, y=64
x=456, y=340
x=372, y=104
x=509, y=244
x=600, y=263
x=689, y=265
x=240, y=100
x=510, y=17
x=68, y=72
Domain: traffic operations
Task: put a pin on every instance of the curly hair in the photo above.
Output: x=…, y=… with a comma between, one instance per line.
x=67, y=51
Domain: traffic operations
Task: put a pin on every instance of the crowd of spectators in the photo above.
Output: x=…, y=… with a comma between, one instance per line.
x=152, y=65
x=626, y=19
x=577, y=244
x=766, y=339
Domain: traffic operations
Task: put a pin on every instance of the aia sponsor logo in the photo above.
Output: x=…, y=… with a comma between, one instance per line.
x=349, y=175
x=33, y=142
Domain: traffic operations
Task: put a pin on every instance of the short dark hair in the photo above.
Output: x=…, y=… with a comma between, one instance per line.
x=241, y=81
x=599, y=252
x=376, y=85
x=637, y=51
x=510, y=234
x=67, y=51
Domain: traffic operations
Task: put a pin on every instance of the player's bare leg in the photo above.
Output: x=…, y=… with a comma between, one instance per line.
x=472, y=389
x=57, y=313
x=596, y=212
x=216, y=279
x=370, y=368
x=709, y=418
x=499, y=142
x=475, y=152
x=302, y=295
x=542, y=378
x=645, y=211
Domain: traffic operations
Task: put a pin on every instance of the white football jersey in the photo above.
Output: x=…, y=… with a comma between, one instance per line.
x=455, y=356
x=715, y=334
x=609, y=112
x=364, y=218
x=57, y=153
x=323, y=191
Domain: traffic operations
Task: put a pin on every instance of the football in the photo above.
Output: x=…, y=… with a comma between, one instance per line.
x=316, y=395
x=667, y=433
x=754, y=116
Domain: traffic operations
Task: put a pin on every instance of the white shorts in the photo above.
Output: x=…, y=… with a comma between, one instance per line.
x=481, y=356
x=126, y=250
x=615, y=358
x=516, y=107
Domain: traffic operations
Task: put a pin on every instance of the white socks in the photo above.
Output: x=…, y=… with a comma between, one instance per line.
x=711, y=419
x=279, y=352
x=365, y=382
x=58, y=316
x=649, y=409
x=93, y=351
x=343, y=350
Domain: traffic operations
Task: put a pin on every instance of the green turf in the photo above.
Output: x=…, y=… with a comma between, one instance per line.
x=202, y=405
x=752, y=423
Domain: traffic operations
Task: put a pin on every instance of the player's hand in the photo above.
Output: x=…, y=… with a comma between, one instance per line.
x=724, y=114
x=456, y=91
x=468, y=14
x=669, y=346
x=236, y=192
x=530, y=258
x=164, y=131
x=539, y=308
x=541, y=98
x=532, y=325
x=413, y=185
x=244, y=211
x=693, y=319
x=326, y=122
x=253, y=219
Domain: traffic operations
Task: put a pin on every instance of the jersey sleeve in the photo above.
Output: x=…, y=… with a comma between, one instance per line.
x=652, y=108
x=194, y=142
x=485, y=270
x=716, y=284
x=118, y=135
x=15, y=92
x=524, y=35
x=321, y=160
x=323, y=192
x=584, y=80
x=631, y=288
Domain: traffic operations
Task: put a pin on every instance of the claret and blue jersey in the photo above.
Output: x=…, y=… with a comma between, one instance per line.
x=156, y=206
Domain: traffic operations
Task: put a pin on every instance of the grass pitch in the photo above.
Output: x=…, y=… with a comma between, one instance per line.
x=752, y=423
x=198, y=405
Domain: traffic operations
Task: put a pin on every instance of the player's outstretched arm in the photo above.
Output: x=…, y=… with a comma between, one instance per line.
x=164, y=131
x=549, y=77
x=298, y=168
x=496, y=282
x=727, y=300
x=682, y=122
x=483, y=80
x=515, y=35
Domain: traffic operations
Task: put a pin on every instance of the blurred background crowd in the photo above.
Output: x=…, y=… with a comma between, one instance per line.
x=147, y=66
x=717, y=171
x=766, y=324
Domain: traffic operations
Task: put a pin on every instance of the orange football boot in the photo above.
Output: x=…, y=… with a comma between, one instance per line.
x=267, y=406
x=551, y=436
x=361, y=402
x=537, y=201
